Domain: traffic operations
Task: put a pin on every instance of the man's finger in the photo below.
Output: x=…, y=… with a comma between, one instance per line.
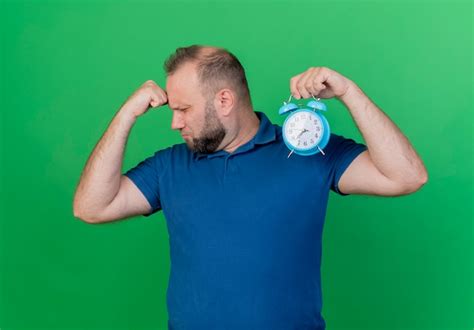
x=301, y=84
x=293, y=89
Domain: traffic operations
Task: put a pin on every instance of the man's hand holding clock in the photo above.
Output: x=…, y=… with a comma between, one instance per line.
x=320, y=82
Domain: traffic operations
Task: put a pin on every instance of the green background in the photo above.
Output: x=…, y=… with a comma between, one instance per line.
x=66, y=68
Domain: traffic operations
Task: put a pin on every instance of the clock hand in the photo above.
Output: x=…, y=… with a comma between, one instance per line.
x=304, y=131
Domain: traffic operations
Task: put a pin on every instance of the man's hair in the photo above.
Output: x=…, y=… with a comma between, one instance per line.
x=216, y=69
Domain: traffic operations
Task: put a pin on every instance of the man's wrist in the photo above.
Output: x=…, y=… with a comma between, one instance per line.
x=351, y=92
x=127, y=115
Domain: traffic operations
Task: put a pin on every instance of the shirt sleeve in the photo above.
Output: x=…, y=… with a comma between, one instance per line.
x=146, y=176
x=340, y=153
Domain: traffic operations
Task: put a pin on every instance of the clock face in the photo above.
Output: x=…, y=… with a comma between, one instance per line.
x=303, y=129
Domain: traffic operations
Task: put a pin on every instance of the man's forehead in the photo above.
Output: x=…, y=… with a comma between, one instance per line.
x=179, y=98
x=177, y=94
x=182, y=87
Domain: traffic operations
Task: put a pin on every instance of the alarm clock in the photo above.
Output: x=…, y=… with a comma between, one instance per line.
x=305, y=131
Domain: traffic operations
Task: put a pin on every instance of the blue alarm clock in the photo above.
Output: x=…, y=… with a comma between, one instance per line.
x=305, y=131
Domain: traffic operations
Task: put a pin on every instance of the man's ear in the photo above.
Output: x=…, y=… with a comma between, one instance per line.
x=224, y=101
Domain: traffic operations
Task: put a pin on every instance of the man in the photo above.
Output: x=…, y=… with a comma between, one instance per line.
x=244, y=220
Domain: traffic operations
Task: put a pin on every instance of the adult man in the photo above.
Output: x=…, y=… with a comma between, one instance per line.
x=244, y=220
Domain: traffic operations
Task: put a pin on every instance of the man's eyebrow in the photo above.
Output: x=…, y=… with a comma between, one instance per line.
x=177, y=107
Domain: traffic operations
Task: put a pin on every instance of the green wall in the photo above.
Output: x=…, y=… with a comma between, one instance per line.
x=66, y=67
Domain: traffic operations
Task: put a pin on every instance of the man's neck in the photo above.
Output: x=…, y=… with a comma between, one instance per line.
x=249, y=125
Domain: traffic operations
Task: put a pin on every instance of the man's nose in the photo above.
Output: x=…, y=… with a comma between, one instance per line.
x=177, y=122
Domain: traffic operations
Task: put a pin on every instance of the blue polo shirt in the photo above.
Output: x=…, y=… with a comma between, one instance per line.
x=244, y=230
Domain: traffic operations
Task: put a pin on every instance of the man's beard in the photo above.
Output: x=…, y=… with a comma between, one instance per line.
x=212, y=134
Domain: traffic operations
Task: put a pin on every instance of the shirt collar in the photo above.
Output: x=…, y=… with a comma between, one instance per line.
x=265, y=134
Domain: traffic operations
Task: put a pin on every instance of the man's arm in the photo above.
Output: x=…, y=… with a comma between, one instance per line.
x=390, y=166
x=103, y=193
x=100, y=179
